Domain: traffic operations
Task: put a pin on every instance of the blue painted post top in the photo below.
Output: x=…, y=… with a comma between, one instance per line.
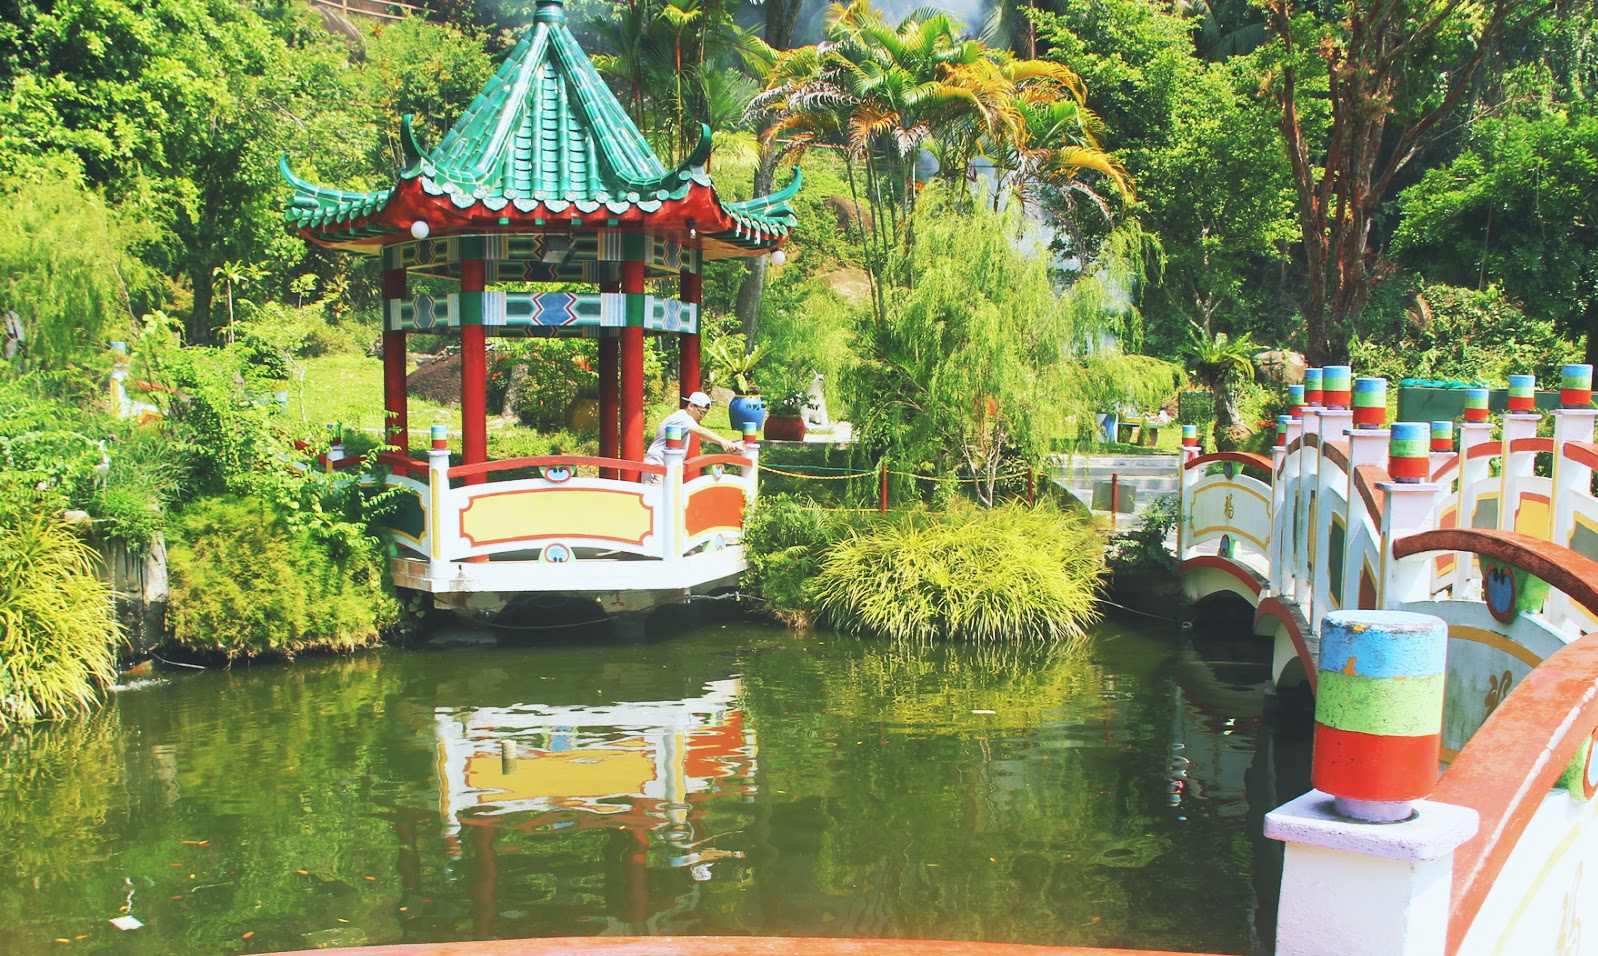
x=440, y=435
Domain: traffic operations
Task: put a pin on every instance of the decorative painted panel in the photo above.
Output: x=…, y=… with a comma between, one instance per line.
x=541, y=514
x=670, y=315
x=715, y=508
x=524, y=310
x=1238, y=507
x=421, y=314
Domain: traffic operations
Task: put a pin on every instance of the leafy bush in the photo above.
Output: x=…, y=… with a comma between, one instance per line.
x=786, y=537
x=248, y=582
x=1445, y=332
x=1143, y=547
x=1001, y=574
x=58, y=632
x=542, y=377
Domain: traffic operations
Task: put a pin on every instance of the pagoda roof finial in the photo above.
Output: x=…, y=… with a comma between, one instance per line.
x=550, y=11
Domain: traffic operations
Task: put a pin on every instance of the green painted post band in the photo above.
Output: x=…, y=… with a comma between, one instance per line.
x=635, y=310
x=471, y=308
x=1386, y=707
x=1409, y=447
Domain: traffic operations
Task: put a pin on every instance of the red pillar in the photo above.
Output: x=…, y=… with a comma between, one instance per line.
x=632, y=364
x=474, y=365
x=692, y=285
x=609, y=398
x=396, y=408
x=609, y=391
x=688, y=344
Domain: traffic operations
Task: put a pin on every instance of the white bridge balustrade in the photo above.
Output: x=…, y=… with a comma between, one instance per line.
x=1496, y=534
x=632, y=534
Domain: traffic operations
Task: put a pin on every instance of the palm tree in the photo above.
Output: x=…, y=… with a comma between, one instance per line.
x=881, y=94
x=1216, y=361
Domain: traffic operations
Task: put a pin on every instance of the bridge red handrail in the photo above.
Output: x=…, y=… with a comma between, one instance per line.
x=1582, y=453
x=1336, y=452
x=1510, y=764
x=400, y=463
x=705, y=461
x=1487, y=449
x=1365, y=479
x=1247, y=459
x=544, y=461
x=1569, y=571
x=1532, y=444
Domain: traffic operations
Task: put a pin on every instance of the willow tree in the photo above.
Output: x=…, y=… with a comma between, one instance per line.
x=1342, y=74
x=970, y=373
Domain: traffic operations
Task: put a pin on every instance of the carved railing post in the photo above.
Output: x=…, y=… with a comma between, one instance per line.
x=1369, y=860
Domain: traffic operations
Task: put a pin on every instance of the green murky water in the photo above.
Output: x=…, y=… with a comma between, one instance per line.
x=724, y=780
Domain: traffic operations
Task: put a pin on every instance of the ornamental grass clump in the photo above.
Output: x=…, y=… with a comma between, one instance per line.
x=59, y=634
x=1003, y=574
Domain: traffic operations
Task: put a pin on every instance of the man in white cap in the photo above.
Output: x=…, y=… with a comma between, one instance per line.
x=687, y=418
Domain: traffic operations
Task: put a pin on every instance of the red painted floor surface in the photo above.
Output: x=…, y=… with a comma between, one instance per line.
x=723, y=946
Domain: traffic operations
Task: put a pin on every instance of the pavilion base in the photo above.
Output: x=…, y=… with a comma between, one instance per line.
x=625, y=590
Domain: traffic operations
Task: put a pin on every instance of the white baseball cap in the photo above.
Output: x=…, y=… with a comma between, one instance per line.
x=698, y=400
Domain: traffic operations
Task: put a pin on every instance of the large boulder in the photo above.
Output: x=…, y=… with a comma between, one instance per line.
x=1280, y=365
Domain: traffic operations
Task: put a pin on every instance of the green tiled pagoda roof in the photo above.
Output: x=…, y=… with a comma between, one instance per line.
x=545, y=136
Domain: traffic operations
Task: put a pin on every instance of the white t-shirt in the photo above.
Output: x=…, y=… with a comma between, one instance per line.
x=656, y=455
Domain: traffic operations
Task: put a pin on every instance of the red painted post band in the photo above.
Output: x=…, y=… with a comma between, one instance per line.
x=1369, y=767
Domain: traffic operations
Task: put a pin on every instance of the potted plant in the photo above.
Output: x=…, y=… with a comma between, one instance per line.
x=733, y=366
x=787, y=415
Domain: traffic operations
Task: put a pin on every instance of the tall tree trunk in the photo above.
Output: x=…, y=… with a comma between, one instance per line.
x=197, y=331
x=1342, y=179
x=747, y=307
x=781, y=18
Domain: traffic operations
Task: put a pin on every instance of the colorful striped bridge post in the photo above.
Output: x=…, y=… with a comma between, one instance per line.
x=1442, y=444
x=1519, y=423
x=1369, y=859
x=1573, y=422
x=1337, y=386
x=1379, y=711
x=1367, y=440
x=1313, y=380
x=1295, y=401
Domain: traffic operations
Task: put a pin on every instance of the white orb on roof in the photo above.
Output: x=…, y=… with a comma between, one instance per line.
x=420, y=229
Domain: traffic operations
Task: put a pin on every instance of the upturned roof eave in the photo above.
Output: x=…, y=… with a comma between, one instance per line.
x=351, y=224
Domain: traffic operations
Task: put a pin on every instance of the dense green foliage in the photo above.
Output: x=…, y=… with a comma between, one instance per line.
x=247, y=582
x=1515, y=209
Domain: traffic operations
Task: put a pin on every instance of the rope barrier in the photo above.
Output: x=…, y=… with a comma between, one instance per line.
x=767, y=469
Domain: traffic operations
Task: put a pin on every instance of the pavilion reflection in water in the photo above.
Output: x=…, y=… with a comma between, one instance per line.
x=642, y=770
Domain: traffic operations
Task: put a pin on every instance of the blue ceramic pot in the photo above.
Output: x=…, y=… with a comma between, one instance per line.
x=746, y=408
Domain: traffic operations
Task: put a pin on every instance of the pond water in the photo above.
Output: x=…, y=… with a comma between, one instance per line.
x=726, y=779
